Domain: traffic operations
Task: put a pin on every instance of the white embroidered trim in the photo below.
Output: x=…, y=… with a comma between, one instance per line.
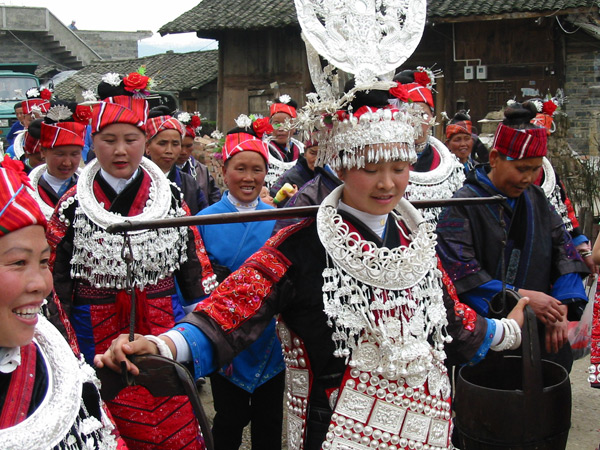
x=34, y=177
x=97, y=254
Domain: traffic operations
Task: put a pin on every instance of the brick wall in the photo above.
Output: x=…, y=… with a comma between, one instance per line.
x=114, y=44
x=27, y=47
x=582, y=89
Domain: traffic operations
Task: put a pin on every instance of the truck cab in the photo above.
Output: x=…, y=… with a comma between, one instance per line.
x=15, y=81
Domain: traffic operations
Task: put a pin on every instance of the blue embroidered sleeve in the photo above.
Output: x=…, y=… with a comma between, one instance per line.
x=486, y=344
x=201, y=349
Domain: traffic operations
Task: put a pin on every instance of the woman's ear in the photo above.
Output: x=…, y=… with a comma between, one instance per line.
x=494, y=157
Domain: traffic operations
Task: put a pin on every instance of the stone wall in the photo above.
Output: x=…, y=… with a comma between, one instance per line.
x=582, y=89
x=112, y=45
x=16, y=48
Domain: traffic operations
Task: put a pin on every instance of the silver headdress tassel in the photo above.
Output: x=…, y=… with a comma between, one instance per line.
x=369, y=39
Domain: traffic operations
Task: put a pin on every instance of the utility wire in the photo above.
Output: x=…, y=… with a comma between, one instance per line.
x=38, y=53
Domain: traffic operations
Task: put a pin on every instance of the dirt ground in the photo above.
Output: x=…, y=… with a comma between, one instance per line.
x=585, y=416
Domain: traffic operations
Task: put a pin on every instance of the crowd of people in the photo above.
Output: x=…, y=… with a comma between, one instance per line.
x=355, y=317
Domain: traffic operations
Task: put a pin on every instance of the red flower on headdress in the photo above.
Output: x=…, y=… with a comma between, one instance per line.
x=46, y=94
x=195, y=122
x=135, y=82
x=400, y=92
x=422, y=78
x=18, y=167
x=262, y=126
x=549, y=107
x=83, y=114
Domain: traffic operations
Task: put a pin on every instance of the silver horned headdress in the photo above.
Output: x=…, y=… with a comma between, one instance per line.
x=369, y=39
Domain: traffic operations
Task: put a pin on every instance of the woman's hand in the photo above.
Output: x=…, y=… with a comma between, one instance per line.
x=556, y=334
x=292, y=192
x=546, y=308
x=120, y=348
x=518, y=312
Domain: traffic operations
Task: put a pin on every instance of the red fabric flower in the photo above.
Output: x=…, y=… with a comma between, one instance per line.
x=46, y=94
x=195, y=122
x=16, y=166
x=262, y=126
x=549, y=107
x=400, y=92
x=422, y=78
x=83, y=114
x=135, y=82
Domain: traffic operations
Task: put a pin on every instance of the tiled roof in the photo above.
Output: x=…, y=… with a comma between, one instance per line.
x=453, y=8
x=211, y=17
x=170, y=72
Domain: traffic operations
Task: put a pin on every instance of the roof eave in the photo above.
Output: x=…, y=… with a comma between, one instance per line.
x=513, y=15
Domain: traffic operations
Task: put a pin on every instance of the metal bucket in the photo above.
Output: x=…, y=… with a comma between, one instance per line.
x=514, y=402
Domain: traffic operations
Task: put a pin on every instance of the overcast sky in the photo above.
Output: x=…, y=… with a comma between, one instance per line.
x=120, y=15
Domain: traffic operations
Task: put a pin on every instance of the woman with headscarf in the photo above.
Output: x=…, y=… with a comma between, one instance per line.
x=522, y=242
x=49, y=398
x=366, y=313
x=164, y=136
x=91, y=279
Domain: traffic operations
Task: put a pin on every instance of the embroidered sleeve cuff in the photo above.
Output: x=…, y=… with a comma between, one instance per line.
x=199, y=349
x=487, y=342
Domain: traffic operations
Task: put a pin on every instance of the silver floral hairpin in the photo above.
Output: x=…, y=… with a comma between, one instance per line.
x=88, y=96
x=58, y=113
x=114, y=79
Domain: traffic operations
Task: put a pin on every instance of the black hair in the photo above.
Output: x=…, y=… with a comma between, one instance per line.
x=106, y=90
x=404, y=77
x=160, y=110
x=519, y=115
x=374, y=98
x=35, y=128
x=249, y=131
x=460, y=116
x=18, y=105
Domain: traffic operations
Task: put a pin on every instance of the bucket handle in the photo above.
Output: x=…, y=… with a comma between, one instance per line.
x=532, y=361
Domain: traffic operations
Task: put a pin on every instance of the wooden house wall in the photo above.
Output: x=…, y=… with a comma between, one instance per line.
x=519, y=54
x=203, y=100
x=255, y=67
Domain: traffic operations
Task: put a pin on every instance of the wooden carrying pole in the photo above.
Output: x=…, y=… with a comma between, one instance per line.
x=274, y=214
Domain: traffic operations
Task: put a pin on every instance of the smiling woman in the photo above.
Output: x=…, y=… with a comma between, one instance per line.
x=48, y=399
x=119, y=183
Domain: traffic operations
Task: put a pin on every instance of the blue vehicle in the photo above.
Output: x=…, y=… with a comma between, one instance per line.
x=15, y=81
